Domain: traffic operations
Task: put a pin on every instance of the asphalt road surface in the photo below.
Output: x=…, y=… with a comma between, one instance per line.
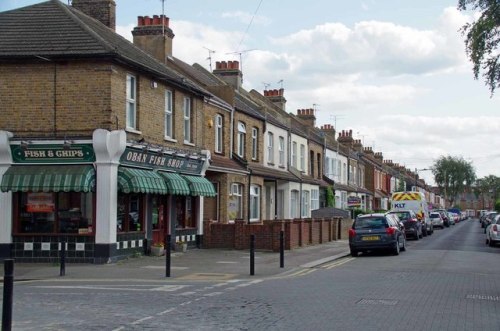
x=447, y=281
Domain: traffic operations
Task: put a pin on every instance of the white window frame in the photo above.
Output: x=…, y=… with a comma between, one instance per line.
x=169, y=115
x=241, y=139
x=314, y=199
x=294, y=154
x=219, y=133
x=302, y=157
x=187, y=119
x=281, y=148
x=294, y=204
x=131, y=101
x=270, y=147
x=254, y=202
x=255, y=143
x=237, y=191
x=305, y=203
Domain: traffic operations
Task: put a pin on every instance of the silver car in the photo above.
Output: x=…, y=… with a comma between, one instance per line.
x=493, y=231
x=436, y=219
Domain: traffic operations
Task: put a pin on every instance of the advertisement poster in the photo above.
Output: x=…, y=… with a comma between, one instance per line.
x=40, y=203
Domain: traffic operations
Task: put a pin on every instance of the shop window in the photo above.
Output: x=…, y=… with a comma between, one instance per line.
x=184, y=213
x=43, y=212
x=129, y=213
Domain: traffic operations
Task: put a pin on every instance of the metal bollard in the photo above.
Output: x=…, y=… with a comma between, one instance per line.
x=168, y=256
x=62, y=271
x=252, y=255
x=8, y=287
x=282, y=249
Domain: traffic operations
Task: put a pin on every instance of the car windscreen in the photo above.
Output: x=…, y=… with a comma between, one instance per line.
x=433, y=215
x=403, y=217
x=370, y=223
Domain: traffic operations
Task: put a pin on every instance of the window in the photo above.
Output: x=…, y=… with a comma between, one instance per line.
x=254, y=202
x=327, y=166
x=169, y=133
x=302, y=157
x=314, y=199
x=129, y=213
x=47, y=212
x=305, y=203
x=281, y=151
x=218, y=133
x=131, y=102
x=235, y=207
x=241, y=139
x=270, y=147
x=294, y=154
x=343, y=198
x=255, y=142
x=294, y=204
x=187, y=120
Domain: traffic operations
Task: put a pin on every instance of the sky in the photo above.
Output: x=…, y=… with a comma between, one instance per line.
x=395, y=72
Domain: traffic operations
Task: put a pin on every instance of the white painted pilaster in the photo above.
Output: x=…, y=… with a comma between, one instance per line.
x=5, y=198
x=108, y=147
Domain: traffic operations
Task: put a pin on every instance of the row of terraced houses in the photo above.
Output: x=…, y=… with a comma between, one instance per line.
x=109, y=146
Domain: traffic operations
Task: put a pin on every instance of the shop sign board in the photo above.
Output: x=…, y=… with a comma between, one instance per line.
x=353, y=201
x=153, y=160
x=53, y=153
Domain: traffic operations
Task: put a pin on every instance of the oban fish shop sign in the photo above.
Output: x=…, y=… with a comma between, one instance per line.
x=43, y=153
x=153, y=160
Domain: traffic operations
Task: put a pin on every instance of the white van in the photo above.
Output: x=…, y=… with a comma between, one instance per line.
x=414, y=201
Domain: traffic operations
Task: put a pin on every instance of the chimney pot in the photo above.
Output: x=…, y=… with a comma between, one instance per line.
x=156, y=20
x=281, y=92
x=265, y=93
x=217, y=65
x=140, y=20
x=223, y=65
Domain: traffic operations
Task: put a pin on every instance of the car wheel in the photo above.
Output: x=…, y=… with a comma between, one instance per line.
x=424, y=231
x=491, y=243
x=421, y=233
x=403, y=249
x=354, y=253
x=417, y=236
x=487, y=241
x=396, y=248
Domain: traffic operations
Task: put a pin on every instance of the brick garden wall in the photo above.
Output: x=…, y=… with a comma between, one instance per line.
x=298, y=233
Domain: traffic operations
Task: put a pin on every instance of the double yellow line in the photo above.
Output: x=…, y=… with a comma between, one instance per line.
x=308, y=271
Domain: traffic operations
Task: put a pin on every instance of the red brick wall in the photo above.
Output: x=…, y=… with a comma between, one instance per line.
x=298, y=233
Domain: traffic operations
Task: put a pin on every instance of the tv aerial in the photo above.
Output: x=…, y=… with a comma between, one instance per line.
x=209, y=58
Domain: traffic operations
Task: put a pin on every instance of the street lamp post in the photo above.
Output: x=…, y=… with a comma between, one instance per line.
x=416, y=175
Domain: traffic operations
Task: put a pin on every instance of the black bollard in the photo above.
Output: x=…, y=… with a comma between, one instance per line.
x=282, y=249
x=8, y=288
x=168, y=256
x=252, y=255
x=62, y=271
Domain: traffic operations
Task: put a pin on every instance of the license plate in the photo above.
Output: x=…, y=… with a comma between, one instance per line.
x=369, y=238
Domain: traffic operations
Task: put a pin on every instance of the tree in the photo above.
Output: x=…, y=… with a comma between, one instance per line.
x=482, y=40
x=453, y=175
x=487, y=187
x=330, y=198
x=401, y=185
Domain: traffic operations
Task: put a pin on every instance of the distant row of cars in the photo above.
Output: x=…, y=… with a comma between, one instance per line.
x=408, y=218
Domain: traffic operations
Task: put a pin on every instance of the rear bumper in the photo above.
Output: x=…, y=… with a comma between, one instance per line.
x=361, y=246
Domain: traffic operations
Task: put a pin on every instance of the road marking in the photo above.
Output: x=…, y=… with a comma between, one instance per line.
x=141, y=320
x=337, y=263
x=165, y=311
x=212, y=294
x=163, y=288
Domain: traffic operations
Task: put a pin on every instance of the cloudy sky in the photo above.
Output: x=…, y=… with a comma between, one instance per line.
x=394, y=72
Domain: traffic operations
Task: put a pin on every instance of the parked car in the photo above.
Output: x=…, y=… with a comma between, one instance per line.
x=488, y=219
x=451, y=218
x=376, y=232
x=413, y=226
x=482, y=218
x=444, y=216
x=437, y=219
x=493, y=231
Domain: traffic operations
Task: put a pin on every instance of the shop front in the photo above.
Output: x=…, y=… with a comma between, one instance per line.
x=103, y=198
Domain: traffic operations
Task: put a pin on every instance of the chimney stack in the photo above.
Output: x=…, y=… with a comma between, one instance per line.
x=102, y=10
x=229, y=72
x=154, y=36
x=276, y=97
x=345, y=138
x=307, y=117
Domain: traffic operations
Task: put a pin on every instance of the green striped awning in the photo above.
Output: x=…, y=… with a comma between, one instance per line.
x=49, y=178
x=175, y=183
x=200, y=186
x=131, y=180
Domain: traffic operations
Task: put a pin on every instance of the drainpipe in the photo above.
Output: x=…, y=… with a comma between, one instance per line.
x=249, y=190
x=231, y=131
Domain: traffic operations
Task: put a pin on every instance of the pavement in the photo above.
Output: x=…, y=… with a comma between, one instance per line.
x=193, y=265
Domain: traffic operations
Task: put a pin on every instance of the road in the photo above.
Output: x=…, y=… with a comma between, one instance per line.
x=448, y=281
